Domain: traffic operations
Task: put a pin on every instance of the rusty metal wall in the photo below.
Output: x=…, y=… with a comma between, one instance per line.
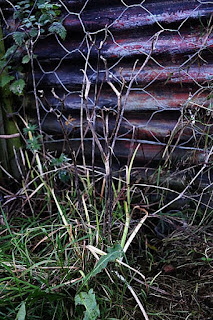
x=162, y=106
x=165, y=46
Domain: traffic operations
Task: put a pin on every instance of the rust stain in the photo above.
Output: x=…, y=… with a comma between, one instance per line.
x=176, y=78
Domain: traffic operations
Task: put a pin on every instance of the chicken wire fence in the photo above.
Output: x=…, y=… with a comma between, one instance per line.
x=131, y=79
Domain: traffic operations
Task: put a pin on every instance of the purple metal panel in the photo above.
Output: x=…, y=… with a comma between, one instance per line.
x=120, y=17
x=70, y=75
x=134, y=126
x=128, y=45
x=154, y=98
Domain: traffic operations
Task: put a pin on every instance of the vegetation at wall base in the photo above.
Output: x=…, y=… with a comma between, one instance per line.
x=56, y=262
x=86, y=239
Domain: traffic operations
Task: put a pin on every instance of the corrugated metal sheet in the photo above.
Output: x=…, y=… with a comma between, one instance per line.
x=176, y=39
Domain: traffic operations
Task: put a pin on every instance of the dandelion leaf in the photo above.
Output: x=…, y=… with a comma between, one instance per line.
x=88, y=300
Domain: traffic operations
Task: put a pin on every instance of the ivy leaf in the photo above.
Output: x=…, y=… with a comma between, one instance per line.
x=58, y=28
x=19, y=38
x=25, y=59
x=22, y=312
x=89, y=302
x=113, y=253
x=5, y=79
x=17, y=87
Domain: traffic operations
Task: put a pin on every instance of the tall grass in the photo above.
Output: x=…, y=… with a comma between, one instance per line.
x=53, y=245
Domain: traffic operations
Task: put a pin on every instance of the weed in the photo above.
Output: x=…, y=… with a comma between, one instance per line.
x=80, y=240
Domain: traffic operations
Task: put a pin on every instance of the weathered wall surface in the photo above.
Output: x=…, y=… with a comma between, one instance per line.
x=158, y=56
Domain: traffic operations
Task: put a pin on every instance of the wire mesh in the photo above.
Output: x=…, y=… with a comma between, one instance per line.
x=131, y=73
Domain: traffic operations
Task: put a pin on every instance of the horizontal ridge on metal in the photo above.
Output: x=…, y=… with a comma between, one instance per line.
x=114, y=39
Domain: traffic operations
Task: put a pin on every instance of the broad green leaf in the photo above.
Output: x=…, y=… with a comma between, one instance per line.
x=17, y=87
x=113, y=253
x=33, y=32
x=22, y=312
x=5, y=79
x=207, y=259
x=19, y=38
x=58, y=28
x=16, y=14
x=25, y=59
x=3, y=64
x=89, y=302
x=10, y=51
x=56, y=6
x=44, y=19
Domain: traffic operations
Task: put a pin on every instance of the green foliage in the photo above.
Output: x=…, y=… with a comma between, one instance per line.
x=207, y=259
x=34, y=144
x=58, y=28
x=17, y=87
x=19, y=38
x=63, y=175
x=113, y=253
x=35, y=19
x=28, y=293
x=43, y=254
x=31, y=128
x=6, y=79
x=88, y=300
x=10, y=51
x=21, y=8
x=26, y=59
x=57, y=162
x=22, y=312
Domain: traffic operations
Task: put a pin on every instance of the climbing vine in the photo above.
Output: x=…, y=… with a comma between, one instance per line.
x=33, y=20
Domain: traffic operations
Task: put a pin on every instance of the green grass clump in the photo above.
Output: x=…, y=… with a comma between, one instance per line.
x=55, y=249
x=62, y=256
